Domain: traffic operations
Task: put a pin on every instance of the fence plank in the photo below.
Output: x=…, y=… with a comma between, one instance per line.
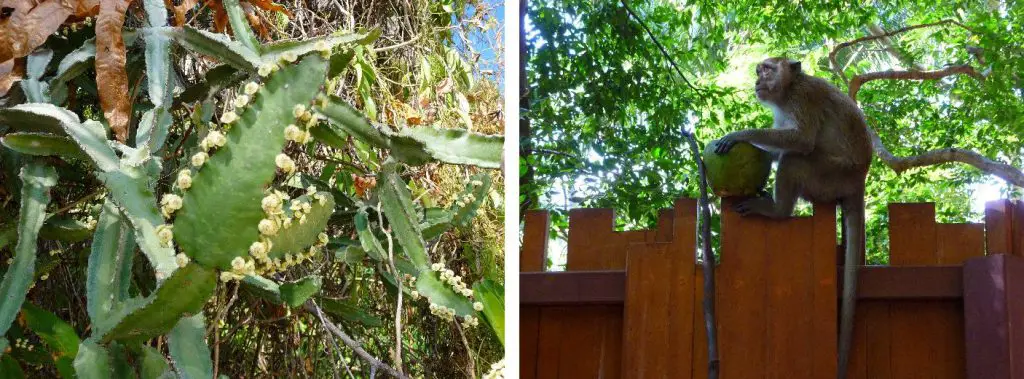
x=535, y=241
x=823, y=274
x=593, y=243
x=529, y=330
x=790, y=332
x=742, y=288
x=999, y=220
x=957, y=243
x=700, y=336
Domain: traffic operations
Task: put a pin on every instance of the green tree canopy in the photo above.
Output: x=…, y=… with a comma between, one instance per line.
x=606, y=110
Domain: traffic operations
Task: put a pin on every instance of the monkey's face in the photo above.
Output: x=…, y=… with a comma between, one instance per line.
x=773, y=76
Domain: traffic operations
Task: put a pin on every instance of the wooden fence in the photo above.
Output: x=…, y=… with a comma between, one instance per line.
x=949, y=305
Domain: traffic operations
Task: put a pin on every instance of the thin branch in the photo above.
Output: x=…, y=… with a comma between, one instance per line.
x=399, y=45
x=708, y=261
x=860, y=80
x=835, y=50
x=471, y=369
x=948, y=155
x=352, y=344
x=660, y=46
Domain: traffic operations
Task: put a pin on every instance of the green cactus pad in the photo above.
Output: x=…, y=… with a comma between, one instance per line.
x=297, y=292
x=740, y=172
x=429, y=285
x=299, y=237
x=59, y=337
x=183, y=293
x=222, y=208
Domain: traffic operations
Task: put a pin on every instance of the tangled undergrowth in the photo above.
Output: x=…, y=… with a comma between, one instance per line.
x=402, y=278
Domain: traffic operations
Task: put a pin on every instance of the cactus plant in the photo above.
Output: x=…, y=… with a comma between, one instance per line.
x=219, y=207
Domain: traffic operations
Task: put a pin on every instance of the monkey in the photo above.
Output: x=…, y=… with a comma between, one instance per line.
x=821, y=143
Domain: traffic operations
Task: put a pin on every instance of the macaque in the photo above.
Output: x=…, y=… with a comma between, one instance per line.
x=821, y=141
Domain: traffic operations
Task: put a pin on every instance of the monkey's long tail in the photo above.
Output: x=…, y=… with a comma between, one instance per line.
x=853, y=233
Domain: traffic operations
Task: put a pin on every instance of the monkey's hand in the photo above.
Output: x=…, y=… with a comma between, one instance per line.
x=726, y=143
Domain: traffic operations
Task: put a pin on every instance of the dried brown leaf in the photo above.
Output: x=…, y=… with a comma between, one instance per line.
x=28, y=23
x=180, y=11
x=11, y=72
x=111, y=77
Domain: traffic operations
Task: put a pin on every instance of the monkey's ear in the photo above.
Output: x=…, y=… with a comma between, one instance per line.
x=794, y=66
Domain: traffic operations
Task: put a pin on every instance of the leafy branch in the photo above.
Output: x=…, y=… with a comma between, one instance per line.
x=1005, y=171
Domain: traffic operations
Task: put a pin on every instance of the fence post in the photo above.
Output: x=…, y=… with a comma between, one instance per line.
x=993, y=310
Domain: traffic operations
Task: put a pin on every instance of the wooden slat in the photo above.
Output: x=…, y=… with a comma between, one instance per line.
x=823, y=311
x=549, y=343
x=535, y=241
x=957, y=243
x=572, y=287
x=878, y=339
x=999, y=227
x=659, y=309
x=742, y=287
x=994, y=304
x=790, y=338
x=1018, y=229
x=593, y=244
x=912, y=241
x=529, y=333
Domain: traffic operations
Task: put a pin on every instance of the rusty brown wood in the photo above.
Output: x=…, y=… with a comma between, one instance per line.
x=993, y=310
x=535, y=241
x=572, y=287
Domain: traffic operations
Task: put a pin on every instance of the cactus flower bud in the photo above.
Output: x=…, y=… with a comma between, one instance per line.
x=199, y=159
x=165, y=234
x=285, y=163
x=251, y=88
x=181, y=259
x=267, y=227
x=241, y=101
x=184, y=180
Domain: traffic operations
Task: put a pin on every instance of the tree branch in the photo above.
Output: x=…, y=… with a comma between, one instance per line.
x=351, y=343
x=860, y=80
x=835, y=50
x=948, y=155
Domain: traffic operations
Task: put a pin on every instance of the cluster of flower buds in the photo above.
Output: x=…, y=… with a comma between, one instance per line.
x=240, y=267
x=182, y=260
x=449, y=277
x=497, y=370
x=442, y=311
x=169, y=204
x=214, y=139
x=165, y=233
x=23, y=344
x=469, y=198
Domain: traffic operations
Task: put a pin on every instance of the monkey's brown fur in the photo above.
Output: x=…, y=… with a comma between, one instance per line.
x=824, y=151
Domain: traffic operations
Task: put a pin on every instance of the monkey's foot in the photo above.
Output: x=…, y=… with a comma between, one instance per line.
x=763, y=206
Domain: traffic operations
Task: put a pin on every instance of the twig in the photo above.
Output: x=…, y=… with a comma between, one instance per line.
x=660, y=46
x=399, y=45
x=216, y=330
x=835, y=50
x=353, y=344
x=469, y=352
x=708, y=261
x=334, y=345
x=76, y=203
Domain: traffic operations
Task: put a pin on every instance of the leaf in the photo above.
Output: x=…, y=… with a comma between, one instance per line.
x=297, y=292
x=221, y=210
x=65, y=229
x=440, y=293
x=153, y=365
x=264, y=288
x=396, y=202
x=11, y=72
x=240, y=26
x=188, y=348
x=272, y=52
x=92, y=361
x=37, y=179
x=9, y=367
x=417, y=145
x=43, y=144
x=217, y=46
x=27, y=24
x=60, y=338
x=53, y=119
x=71, y=66
x=349, y=312
x=184, y=293
x=111, y=78
x=110, y=264
x=492, y=295
x=369, y=241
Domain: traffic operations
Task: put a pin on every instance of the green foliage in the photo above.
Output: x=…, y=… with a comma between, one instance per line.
x=297, y=292
x=606, y=107
x=184, y=293
x=492, y=295
x=60, y=337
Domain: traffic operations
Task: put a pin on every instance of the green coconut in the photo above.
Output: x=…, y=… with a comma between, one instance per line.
x=742, y=171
